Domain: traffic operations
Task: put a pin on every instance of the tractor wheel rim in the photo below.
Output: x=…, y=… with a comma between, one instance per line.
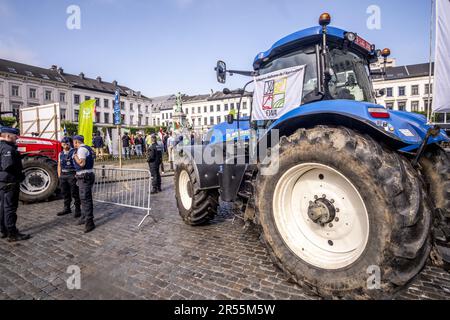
x=37, y=180
x=335, y=244
x=185, y=188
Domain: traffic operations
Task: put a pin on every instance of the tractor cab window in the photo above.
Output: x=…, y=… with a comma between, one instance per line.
x=349, y=77
x=298, y=58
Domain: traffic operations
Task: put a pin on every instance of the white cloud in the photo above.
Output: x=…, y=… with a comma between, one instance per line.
x=11, y=50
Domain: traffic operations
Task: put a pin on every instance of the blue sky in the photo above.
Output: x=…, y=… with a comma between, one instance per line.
x=161, y=47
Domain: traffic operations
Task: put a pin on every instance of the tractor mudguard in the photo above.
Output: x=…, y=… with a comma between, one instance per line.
x=206, y=173
x=401, y=131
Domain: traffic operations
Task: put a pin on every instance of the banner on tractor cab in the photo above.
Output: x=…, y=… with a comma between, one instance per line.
x=86, y=120
x=441, y=99
x=277, y=93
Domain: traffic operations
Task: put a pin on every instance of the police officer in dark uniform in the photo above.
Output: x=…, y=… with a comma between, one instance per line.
x=68, y=182
x=11, y=176
x=84, y=159
x=155, y=157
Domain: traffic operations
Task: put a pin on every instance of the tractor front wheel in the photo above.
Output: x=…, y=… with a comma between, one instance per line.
x=41, y=179
x=196, y=207
x=342, y=214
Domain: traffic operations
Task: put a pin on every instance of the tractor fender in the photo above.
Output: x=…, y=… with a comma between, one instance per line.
x=207, y=174
x=288, y=125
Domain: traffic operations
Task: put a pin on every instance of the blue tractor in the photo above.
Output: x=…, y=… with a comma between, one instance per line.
x=350, y=198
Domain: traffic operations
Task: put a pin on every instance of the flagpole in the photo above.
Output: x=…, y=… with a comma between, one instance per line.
x=429, y=113
x=119, y=134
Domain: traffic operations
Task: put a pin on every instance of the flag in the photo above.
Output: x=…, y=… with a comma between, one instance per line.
x=65, y=131
x=441, y=94
x=109, y=142
x=277, y=93
x=86, y=121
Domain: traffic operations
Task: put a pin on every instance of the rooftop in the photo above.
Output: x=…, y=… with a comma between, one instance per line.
x=405, y=72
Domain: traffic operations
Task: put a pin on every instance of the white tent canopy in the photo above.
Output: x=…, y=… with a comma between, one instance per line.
x=441, y=99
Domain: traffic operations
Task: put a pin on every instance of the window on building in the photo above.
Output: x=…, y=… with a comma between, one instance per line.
x=205, y=121
x=390, y=105
x=389, y=92
x=86, y=98
x=218, y=108
x=427, y=89
x=106, y=103
x=154, y=122
x=15, y=91
x=15, y=110
x=48, y=95
x=32, y=93
x=193, y=110
x=76, y=99
x=122, y=105
x=146, y=110
x=63, y=113
x=146, y=121
x=232, y=106
x=76, y=115
x=401, y=91
x=29, y=73
x=131, y=107
x=97, y=102
x=199, y=109
x=106, y=118
x=402, y=105
x=414, y=106
x=131, y=120
x=139, y=121
x=225, y=107
x=97, y=117
x=139, y=108
x=62, y=97
x=159, y=122
x=415, y=90
x=219, y=119
x=244, y=106
x=170, y=116
x=205, y=109
x=12, y=70
x=211, y=121
x=238, y=106
x=186, y=111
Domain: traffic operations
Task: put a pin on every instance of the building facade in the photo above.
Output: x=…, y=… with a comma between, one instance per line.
x=23, y=86
x=406, y=88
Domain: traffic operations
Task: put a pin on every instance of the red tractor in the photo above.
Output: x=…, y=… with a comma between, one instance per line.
x=40, y=160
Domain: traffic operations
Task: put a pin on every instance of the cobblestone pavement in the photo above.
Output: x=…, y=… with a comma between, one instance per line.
x=165, y=260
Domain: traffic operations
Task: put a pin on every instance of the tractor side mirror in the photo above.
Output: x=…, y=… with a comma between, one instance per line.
x=221, y=70
x=230, y=119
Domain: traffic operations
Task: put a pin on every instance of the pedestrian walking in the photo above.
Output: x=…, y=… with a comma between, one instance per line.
x=98, y=144
x=154, y=160
x=67, y=180
x=139, y=144
x=171, y=149
x=126, y=142
x=84, y=159
x=11, y=175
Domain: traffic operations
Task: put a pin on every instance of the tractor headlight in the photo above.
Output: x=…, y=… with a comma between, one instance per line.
x=350, y=36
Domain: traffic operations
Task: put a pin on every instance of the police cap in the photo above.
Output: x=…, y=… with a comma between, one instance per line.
x=78, y=138
x=9, y=130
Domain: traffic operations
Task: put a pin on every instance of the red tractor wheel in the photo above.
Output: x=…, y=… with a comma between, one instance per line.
x=41, y=179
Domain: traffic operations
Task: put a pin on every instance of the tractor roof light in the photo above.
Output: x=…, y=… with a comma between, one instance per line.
x=379, y=113
x=386, y=52
x=325, y=19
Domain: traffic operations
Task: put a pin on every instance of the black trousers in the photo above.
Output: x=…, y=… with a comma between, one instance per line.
x=9, y=202
x=156, y=175
x=85, y=183
x=70, y=191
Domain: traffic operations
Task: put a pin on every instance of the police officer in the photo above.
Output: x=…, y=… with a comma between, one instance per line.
x=155, y=155
x=84, y=158
x=11, y=176
x=68, y=182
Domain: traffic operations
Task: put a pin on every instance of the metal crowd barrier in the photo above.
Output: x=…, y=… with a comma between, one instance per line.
x=128, y=188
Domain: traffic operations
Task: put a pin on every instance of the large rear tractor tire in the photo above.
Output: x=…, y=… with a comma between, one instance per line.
x=435, y=165
x=343, y=215
x=41, y=179
x=196, y=207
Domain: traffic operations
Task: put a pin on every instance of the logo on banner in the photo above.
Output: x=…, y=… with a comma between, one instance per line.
x=274, y=96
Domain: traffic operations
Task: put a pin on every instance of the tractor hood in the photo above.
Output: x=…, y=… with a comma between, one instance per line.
x=407, y=129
